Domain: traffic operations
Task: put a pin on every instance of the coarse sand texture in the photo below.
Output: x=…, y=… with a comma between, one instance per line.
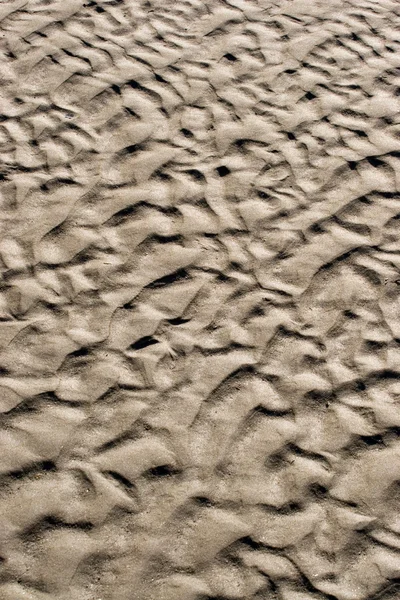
x=200, y=300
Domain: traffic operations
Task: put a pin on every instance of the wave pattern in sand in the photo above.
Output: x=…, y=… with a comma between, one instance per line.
x=200, y=314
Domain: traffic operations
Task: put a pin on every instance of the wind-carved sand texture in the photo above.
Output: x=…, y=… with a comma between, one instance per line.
x=200, y=315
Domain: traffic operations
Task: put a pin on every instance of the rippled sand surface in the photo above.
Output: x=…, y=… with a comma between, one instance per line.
x=199, y=307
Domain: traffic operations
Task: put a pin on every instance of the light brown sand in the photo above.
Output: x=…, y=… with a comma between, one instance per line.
x=200, y=314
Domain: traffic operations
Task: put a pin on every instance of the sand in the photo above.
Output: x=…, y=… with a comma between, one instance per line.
x=200, y=300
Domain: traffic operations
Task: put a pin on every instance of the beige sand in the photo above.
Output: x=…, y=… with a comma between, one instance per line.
x=200, y=313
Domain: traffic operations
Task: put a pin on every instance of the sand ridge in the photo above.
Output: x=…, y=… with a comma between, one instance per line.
x=199, y=309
